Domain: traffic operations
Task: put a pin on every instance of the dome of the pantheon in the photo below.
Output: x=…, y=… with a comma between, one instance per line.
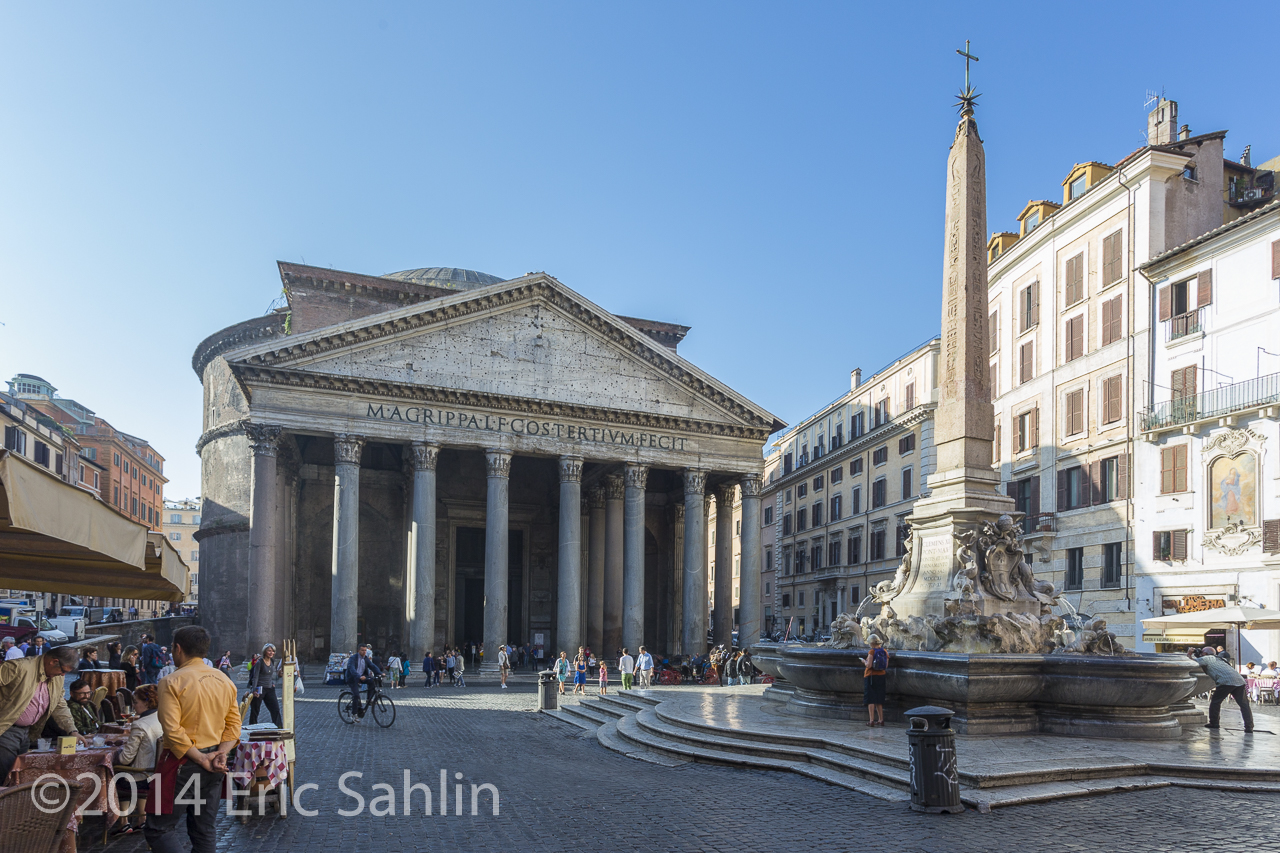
x=450, y=278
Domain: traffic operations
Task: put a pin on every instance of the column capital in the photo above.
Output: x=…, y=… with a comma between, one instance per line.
x=595, y=496
x=347, y=447
x=637, y=476
x=615, y=488
x=263, y=438
x=498, y=462
x=695, y=481
x=750, y=484
x=423, y=455
x=571, y=469
x=678, y=510
x=725, y=493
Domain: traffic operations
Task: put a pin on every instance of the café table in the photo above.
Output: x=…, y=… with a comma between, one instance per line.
x=32, y=765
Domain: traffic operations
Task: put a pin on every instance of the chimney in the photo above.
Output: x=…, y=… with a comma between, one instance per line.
x=1185, y=132
x=856, y=376
x=1246, y=159
x=1161, y=122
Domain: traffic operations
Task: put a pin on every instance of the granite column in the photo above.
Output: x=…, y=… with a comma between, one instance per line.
x=569, y=556
x=633, y=559
x=722, y=627
x=344, y=604
x=614, y=555
x=264, y=517
x=496, y=546
x=694, y=576
x=420, y=598
x=749, y=592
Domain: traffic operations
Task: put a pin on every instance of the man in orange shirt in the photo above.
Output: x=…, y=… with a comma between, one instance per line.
x=196, y=705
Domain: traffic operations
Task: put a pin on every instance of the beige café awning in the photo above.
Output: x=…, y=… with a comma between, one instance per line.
x=1219, y=617
x=55, y=537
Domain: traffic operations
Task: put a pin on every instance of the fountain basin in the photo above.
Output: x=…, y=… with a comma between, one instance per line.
x=1133, y=696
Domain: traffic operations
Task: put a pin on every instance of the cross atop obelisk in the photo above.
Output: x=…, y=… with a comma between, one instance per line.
x=968, y=97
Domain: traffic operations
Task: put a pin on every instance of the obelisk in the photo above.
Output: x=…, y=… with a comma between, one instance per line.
x=963, y=490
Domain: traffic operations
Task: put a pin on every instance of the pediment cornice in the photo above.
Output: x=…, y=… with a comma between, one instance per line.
x=282, y=377
x=538, y=287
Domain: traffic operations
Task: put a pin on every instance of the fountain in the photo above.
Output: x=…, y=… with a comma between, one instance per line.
x=969, y=625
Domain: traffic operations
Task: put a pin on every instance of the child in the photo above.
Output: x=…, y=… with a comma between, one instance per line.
x=604, y=678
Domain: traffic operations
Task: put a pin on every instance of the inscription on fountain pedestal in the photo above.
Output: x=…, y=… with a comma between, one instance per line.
x=936, y=558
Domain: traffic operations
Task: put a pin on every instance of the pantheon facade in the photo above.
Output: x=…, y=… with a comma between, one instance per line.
x=439, y=456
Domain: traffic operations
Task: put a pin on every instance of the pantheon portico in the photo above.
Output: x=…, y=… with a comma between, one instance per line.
x=440, y=457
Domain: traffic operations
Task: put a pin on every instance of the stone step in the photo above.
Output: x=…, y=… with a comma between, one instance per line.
x=609, y=738
x=580, y=724
x=622, y=702
x=865, y=766
x=585, y=715
x=630, y=731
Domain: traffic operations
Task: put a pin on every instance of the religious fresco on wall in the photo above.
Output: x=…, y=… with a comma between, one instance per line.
x=1233, y=490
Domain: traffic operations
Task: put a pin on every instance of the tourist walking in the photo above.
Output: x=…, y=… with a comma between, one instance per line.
x=224, y=662
x=562, y=670
x=450, y=664
x=580, y=674
x=459, y=668
x=31, y=693
x=153, y=660
x=393, y=670
x=405, y=666
x=876, y=666
x=644, y=667
x=262, y=681
x=731, y=670
x=746, y=669
x=504, y=664
x=1229, y=683
x=627, y=666
x=201, y=723
x=428, y=667
x=604, y=678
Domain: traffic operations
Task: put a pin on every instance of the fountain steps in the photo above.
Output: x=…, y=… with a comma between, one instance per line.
x=666, y=730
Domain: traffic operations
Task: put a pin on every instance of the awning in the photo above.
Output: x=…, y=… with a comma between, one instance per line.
x=1219, y=617
x=1178, y=638
x=55, y=537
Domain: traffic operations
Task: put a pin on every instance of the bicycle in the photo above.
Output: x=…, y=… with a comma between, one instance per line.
x=380, y=704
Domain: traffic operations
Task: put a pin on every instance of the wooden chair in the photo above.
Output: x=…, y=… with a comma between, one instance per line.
x=108, y=711
x=28, y=829
x=126, y=699
x=99, y=693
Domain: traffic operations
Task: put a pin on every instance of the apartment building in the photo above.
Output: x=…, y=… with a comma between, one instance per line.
x=838, y=487
x=1070, y=345
x=181, y=521
x=131, y=472
x=1208, y=527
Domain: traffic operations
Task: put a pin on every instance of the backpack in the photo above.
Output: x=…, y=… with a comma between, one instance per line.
x=879, y=659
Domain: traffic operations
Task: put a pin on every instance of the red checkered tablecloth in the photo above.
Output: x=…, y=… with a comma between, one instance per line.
x=261, y=753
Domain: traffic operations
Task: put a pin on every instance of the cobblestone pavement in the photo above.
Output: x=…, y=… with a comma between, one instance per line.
x=559, y=790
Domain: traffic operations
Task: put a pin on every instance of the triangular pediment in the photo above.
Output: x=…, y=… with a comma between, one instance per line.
x=530, y=339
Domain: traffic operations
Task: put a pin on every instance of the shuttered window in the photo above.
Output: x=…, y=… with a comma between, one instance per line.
x=911, y=397
x=1271, y=536
x=1075, y=338
x=1026, y=362
x=1275, y=259
x=1111, y=399
x=1183, y=382
x=1074, y=280
x=1169, y=545
x=993, y=332
x=1173, y=469
x=1075, y=413
x=1165, y=300
x=994, y=379
x=995, y=446
x=1112, y=314
x=1112, y=258
x=1030, y=305
x=1204, y=288
x=878, y=493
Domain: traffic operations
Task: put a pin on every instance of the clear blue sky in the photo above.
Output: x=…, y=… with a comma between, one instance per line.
x=769, y=174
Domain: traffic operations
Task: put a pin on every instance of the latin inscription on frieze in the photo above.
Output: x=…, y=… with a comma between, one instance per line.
x=428, y=416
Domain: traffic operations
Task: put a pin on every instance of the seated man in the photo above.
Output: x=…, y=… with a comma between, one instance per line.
x=1270, y=671
x=82, y=712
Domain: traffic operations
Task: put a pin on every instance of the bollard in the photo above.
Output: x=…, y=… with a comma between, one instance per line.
x=548, y=698
x=935, y=781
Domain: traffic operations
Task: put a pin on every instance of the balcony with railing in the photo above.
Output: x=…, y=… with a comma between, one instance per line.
x=1181, y=325
x=1219, y=403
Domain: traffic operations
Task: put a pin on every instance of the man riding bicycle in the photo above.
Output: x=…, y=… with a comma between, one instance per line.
x=361, y=669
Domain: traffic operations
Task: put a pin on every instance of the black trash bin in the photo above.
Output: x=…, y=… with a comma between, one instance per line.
x=935, y=780
x=548, y=695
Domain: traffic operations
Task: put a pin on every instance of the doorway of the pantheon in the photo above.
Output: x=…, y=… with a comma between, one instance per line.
x=468, y=602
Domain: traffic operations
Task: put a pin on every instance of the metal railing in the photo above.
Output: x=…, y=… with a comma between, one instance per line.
x=1045, y=522
x=1182, y=325
x=1236, y=397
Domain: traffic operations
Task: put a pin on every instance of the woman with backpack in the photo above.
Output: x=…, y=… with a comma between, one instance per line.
x=876, y=665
